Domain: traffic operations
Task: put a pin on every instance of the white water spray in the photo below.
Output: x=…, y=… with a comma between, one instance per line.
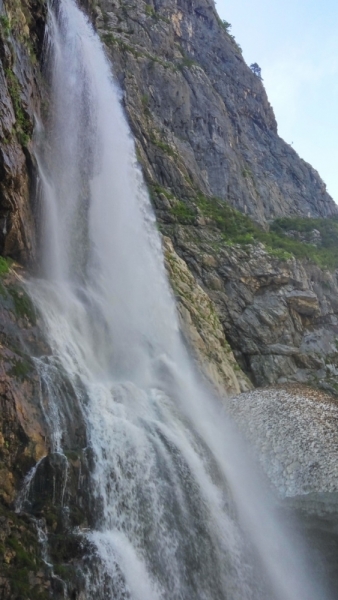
x=182, y=514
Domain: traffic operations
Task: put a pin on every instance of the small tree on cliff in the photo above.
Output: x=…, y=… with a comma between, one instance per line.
x=255, y=68
x=227, y=26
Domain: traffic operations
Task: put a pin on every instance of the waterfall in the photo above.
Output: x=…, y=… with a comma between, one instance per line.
x=181, y=513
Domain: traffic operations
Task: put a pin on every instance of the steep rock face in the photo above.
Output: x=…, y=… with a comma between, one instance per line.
x=280, y=316
x=24, y=436
x=23, y=430
x=44, y=495
x=23, y=441
x=202, y=329
x=53, y=505
x=201, y=117
x=21, y=36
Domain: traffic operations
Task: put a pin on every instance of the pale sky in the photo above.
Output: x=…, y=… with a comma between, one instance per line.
x=295, y=42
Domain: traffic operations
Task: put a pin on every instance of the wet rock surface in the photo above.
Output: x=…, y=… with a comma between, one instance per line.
x=21, y=97
x=24, y=436
x=23, y=441
x=44, y=499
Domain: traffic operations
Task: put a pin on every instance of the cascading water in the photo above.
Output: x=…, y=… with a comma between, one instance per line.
x=180, y=513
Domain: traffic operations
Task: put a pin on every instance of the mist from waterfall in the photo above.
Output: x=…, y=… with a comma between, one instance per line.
x=181, y=512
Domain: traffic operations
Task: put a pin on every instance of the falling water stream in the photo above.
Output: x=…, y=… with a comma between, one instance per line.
x=181, y=513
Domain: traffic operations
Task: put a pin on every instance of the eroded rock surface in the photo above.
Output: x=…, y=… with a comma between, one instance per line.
x=202, y=329
x=280, y=316
x=44, y=495
x=21, y=93
x=23, y=441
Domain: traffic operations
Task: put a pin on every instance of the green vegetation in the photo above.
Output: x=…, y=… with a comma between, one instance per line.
x=246, y=172
x=163, y=63
x=162, y=145
x=183, y=213
x=23, y=558
x=5, y=25
x=20, y=369
x=227, y=27
x=73, y=455
x=151, y=12
x=23, y=126
x=158, y=189
x=110, y=40
x=5, y=264
x=187, y=62
x=63, y=571
x=105, y=17
x=328, y=228
x=145, y=104
x=326, y=254
x=237, y=228
x=22, y=304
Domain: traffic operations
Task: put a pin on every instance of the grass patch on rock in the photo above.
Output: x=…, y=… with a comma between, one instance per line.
x=23, y=306
x=20, y=369
x=238, y=228
x=183, y=212
x=5, y=264
x=280, y=241
x=23, y=126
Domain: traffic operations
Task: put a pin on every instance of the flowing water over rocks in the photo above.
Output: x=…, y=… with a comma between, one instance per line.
x=145, y=473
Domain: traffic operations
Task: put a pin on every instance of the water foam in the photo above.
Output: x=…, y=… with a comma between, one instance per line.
x=183, y=513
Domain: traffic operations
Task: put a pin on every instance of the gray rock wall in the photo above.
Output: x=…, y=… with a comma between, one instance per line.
x=21, y=38
x=201, y=117
x=280, y=316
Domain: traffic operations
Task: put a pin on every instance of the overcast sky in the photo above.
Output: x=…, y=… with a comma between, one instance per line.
x=295, y=42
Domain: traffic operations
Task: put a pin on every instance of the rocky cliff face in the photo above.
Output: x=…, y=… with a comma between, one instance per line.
x=21, y=38
x=202, y=328
x=280, y=316
x=201, y=117
x=44, y=499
